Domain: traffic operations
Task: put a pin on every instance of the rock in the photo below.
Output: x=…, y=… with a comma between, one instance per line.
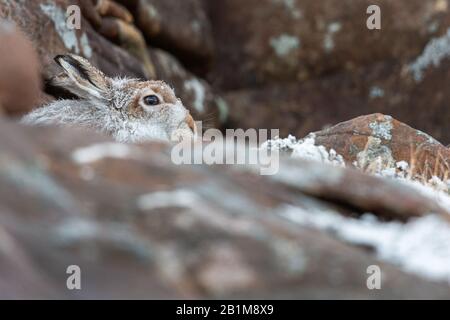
x=181, y=28
x=296, y=109
x=261, y=42
x=41, y=21
x=195, y=93
x=19, y=71
x=115, y=22
x=400, y=82
x=385, y=87
x=140, y=226
x=368, y=138
x=362, y=192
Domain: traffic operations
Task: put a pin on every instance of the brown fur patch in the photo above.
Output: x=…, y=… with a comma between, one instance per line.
x=135, y=109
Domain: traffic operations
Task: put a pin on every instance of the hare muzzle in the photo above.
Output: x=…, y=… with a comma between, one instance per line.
x=186, y=130
x=191, y=124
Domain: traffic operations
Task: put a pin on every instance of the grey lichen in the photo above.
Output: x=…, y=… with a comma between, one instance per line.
x=284, y=44
x=291, y=6
x=328, y=42
x=375, y=157
x=84, y=42
x=429, y=138
x=223, y=109
x=58, y=17
x=382, y=129
x=435, y=51
x=376, y=92
x=69, y=36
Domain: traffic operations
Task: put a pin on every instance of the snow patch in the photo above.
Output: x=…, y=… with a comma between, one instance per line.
x=77, y=228
x=100, y=151
x=305, y=149
x=421, y=246
x=163, y=199
x=378, y=162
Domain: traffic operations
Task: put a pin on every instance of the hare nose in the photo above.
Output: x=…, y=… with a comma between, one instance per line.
x=191, y=123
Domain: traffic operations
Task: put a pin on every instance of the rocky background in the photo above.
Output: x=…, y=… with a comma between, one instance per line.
x=141, y=227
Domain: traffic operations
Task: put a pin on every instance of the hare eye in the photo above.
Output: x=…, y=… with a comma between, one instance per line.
x=151, y=100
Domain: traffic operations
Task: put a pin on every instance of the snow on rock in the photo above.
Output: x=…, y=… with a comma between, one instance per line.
x=434, y=188
x=421, y=246
x=305, y=149
x=162, y=199
x=100, y=151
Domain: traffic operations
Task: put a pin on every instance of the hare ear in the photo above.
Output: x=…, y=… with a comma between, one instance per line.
x=82, y=78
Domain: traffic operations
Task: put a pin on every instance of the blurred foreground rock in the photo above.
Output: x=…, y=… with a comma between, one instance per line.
x=19, y=71
x=141, y=227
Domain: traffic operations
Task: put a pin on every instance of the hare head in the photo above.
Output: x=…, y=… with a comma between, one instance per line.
x=128, y=109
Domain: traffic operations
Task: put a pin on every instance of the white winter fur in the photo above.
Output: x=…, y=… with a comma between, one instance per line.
x=109, y=105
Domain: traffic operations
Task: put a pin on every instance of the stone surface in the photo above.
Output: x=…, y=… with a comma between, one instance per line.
x=366, y=138
x=260, y=42
x=180, y=27
x=19, y=71
x=403, y=73
x=384, y=87
x=115, y=22
x=141, y=227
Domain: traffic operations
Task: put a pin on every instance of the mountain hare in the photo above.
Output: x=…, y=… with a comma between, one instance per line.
x=127, y=109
